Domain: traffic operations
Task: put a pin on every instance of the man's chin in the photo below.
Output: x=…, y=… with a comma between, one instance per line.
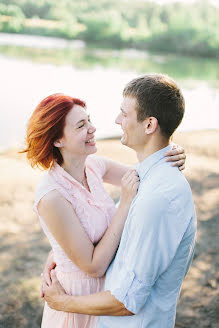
x=124, y=143
x=123, y=140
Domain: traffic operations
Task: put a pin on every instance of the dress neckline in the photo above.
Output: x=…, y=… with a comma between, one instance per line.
x=59, y=169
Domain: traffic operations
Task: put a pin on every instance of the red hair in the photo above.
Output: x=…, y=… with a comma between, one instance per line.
x=46, y=126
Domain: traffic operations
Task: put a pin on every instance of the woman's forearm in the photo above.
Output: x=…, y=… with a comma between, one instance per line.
x=99, y=257
x=107, y=246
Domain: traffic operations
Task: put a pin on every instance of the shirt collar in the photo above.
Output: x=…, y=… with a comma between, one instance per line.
x=68, y=179
x=143, y=167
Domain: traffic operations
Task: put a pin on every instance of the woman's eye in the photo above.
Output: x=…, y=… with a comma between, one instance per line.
x=81, y=126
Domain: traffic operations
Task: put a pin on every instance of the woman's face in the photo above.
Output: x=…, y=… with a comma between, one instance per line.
x=78, y=134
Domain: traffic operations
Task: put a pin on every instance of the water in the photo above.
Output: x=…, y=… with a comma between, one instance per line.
x=30, y=73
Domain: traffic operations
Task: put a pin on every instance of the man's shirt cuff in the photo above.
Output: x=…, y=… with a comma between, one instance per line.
x=132, y=292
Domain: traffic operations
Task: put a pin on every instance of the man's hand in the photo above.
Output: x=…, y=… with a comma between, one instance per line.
x=50, y=265
x=177, y=156
x=54, y=294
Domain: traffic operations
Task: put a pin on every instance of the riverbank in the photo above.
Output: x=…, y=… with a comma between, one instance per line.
x=24, y=247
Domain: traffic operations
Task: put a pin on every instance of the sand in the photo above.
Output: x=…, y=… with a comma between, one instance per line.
x=23, y=247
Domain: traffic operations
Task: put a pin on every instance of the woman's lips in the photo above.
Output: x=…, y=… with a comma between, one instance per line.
x=91, y=142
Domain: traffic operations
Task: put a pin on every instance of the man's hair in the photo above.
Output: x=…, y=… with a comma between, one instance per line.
x=159, y=96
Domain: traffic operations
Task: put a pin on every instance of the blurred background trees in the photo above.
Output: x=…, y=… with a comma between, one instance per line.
x=189, y=29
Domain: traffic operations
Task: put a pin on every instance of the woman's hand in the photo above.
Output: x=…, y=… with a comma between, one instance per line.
x=177, y=156
x=54, y=294
x=46, y=274
x=130, y=183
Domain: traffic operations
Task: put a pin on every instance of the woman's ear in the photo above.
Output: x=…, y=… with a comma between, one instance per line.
x=57, y=143
x=151, y=124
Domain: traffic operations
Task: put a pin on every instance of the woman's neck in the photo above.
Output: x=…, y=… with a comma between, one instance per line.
x=75, y=167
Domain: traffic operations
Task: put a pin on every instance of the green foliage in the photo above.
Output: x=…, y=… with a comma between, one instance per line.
x=103, y=27
x=189, y=29
x=11, y=18
x=32, y=8
x=11, y=25
x=11, y=10
x=70, y=29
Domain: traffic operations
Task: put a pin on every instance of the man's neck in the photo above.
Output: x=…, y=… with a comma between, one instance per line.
x=151, y=147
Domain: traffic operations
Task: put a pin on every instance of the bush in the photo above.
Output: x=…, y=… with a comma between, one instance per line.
x=9, y=25
x=11, y=10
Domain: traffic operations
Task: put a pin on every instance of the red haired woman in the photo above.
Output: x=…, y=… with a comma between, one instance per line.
x=77, y=215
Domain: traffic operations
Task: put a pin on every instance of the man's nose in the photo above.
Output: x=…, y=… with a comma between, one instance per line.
x=118, y=119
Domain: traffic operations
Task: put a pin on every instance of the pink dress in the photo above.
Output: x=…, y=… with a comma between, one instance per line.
x=95, y=210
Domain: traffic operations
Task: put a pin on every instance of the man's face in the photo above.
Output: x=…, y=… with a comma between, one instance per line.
x=133, y=131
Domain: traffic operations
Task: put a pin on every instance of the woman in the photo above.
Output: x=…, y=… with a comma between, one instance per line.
x=77, y=215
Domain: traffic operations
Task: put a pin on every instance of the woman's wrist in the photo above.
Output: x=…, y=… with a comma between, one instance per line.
x=125, y=202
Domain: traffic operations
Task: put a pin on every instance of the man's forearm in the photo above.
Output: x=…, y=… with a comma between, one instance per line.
x=103, y=303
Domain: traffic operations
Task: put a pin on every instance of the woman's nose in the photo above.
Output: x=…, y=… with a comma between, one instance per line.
x=92, y=128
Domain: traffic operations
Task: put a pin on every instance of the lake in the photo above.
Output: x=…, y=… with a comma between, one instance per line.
x=35, y=67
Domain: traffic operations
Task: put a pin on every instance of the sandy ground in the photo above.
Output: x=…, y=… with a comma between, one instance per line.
x=23, y=247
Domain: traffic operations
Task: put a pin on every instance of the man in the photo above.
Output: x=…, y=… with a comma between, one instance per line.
x=143, y=281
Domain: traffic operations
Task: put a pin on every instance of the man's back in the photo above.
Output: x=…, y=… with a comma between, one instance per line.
x=156, y=248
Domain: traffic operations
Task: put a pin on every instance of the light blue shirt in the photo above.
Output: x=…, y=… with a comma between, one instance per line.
x=156, y=248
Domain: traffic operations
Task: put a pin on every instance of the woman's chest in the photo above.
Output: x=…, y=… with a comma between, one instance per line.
x=95, y=213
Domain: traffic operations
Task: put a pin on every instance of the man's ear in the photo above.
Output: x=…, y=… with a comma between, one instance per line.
x=57, y=143
x=151, y=125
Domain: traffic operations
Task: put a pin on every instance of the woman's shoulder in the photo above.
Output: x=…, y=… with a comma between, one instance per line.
x=45, y=185
x=45, y=180
x=51, y=199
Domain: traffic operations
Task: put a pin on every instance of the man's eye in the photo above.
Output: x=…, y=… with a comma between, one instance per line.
x=81, y=126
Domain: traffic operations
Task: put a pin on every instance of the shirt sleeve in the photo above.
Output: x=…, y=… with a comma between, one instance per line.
x=153, y=238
